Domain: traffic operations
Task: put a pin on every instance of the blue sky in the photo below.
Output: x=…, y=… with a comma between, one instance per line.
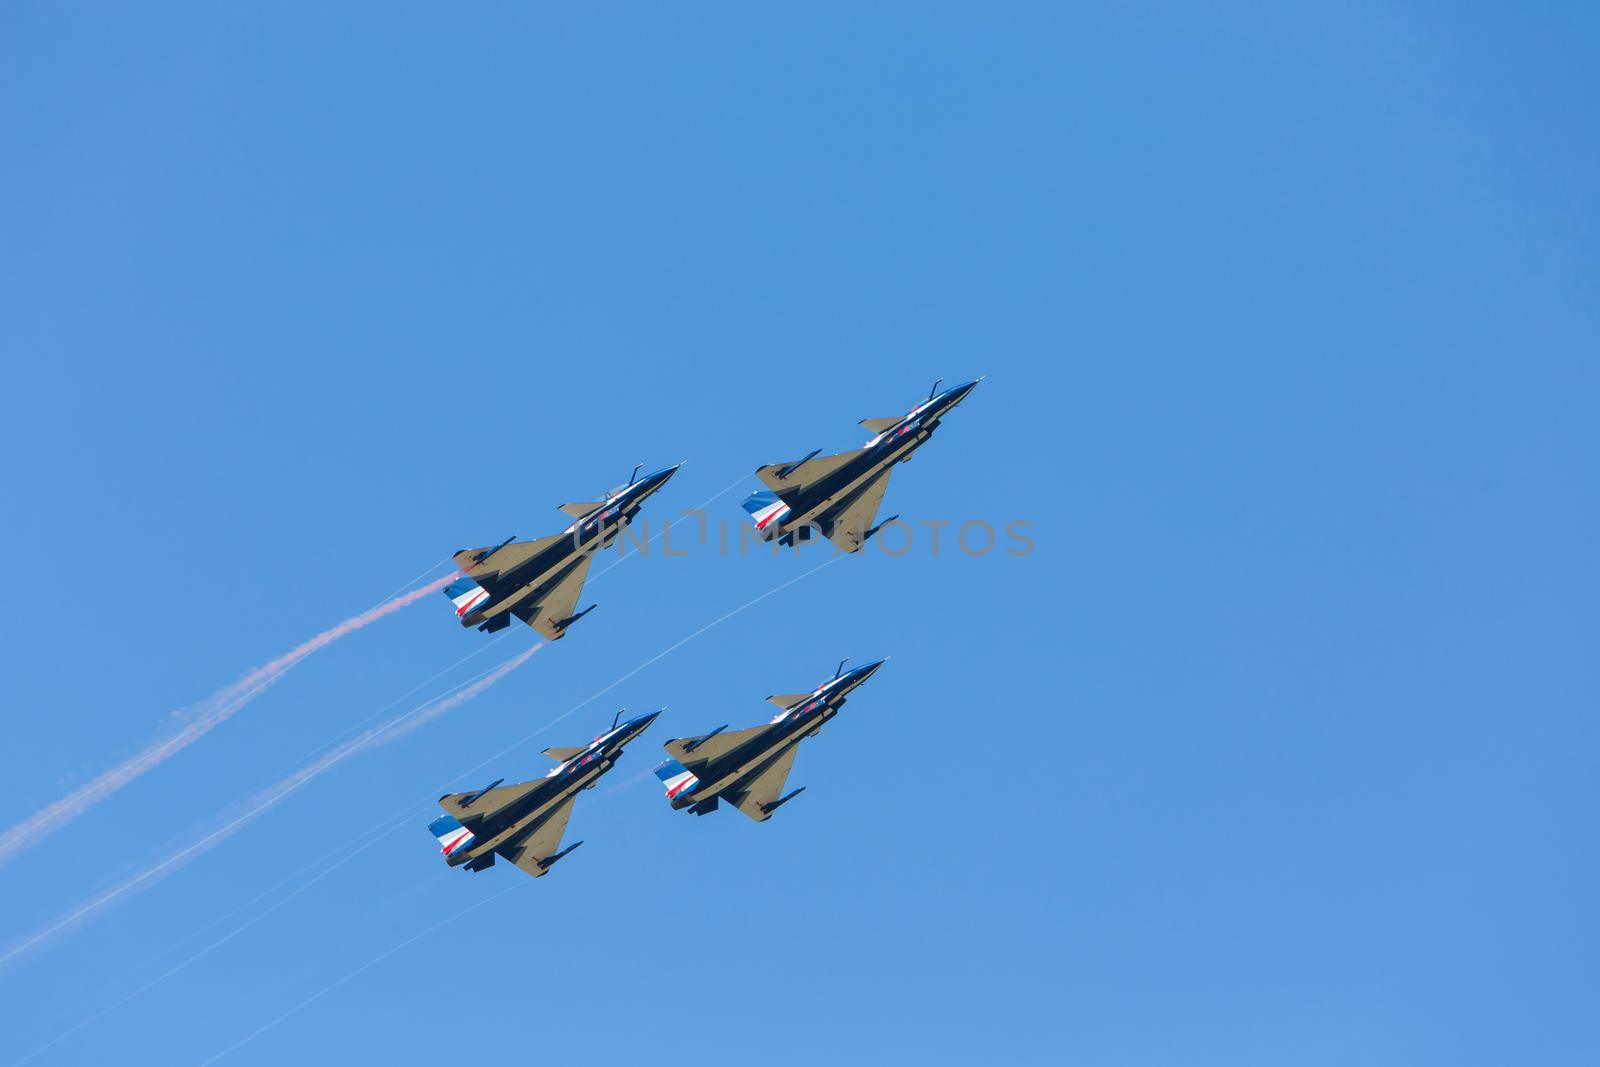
x=1279, y=746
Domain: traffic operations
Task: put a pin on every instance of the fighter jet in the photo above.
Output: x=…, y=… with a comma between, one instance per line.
x=748, y=768
x=840, y=494
x=523, y=823
x=539, y=581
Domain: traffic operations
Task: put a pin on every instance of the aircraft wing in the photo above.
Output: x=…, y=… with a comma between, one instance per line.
x=812, y=470
x=490, y=802
x=502, y=560
x=547, y=613
x=540, y=843
x=764, y=788
x=719, y=745
x=854, y=518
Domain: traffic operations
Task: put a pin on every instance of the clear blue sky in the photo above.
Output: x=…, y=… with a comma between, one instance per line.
x=1280, y=747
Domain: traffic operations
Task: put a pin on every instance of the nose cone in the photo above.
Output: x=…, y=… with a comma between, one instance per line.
x=862, y=673
x=651, y=482
x=952, y=397
x=634, y=727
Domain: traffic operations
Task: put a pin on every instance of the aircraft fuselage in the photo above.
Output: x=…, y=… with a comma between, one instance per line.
x=530, y=811
x=788, y=728
x=833, y=493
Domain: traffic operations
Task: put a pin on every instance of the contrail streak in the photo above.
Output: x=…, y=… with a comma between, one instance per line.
x=597, y=694
x=102, y=1013
x=374, y=961
x=414, y=938
x=272, y=796
x=387, y=826
x=323, y=861
x=353, y=727
x=410, y=724
x=205, y=716
x=622, y=558
x=328, y=864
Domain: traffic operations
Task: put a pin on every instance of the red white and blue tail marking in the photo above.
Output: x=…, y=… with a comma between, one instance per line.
x=677, y=778
x=467, y=595
x=765, y=509
x=453, y=837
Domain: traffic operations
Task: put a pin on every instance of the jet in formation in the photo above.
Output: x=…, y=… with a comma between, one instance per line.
x=748, y=768
x=523, y=823
x=539, y=581
x=840, y=494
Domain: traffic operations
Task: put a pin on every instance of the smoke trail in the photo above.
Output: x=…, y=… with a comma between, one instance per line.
x=328, y=867
x=272, y=796
x=407, y=726
x=414, y=938
x=322, y=640
x=322, y=862
x=324, y=866
x=413, y=691
x=204, y=717
x=388, y=826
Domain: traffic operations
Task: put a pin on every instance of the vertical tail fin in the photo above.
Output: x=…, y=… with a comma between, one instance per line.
x=467, y=595
x=453, y=837
x=765, y=508
x=676, y=778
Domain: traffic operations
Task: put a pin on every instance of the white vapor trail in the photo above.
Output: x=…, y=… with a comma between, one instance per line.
x=204, y=717
x=275, y=794
x=214, y=710
x=388, y=826
x=322, y=862
x=410, y=724
x=413, y=691
x=328, y=867
x=414, y=938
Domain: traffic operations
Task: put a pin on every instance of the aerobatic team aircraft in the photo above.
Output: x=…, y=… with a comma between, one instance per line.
x=539, y=581
x=840, y=494
x=523, y=823
x=748, y=768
